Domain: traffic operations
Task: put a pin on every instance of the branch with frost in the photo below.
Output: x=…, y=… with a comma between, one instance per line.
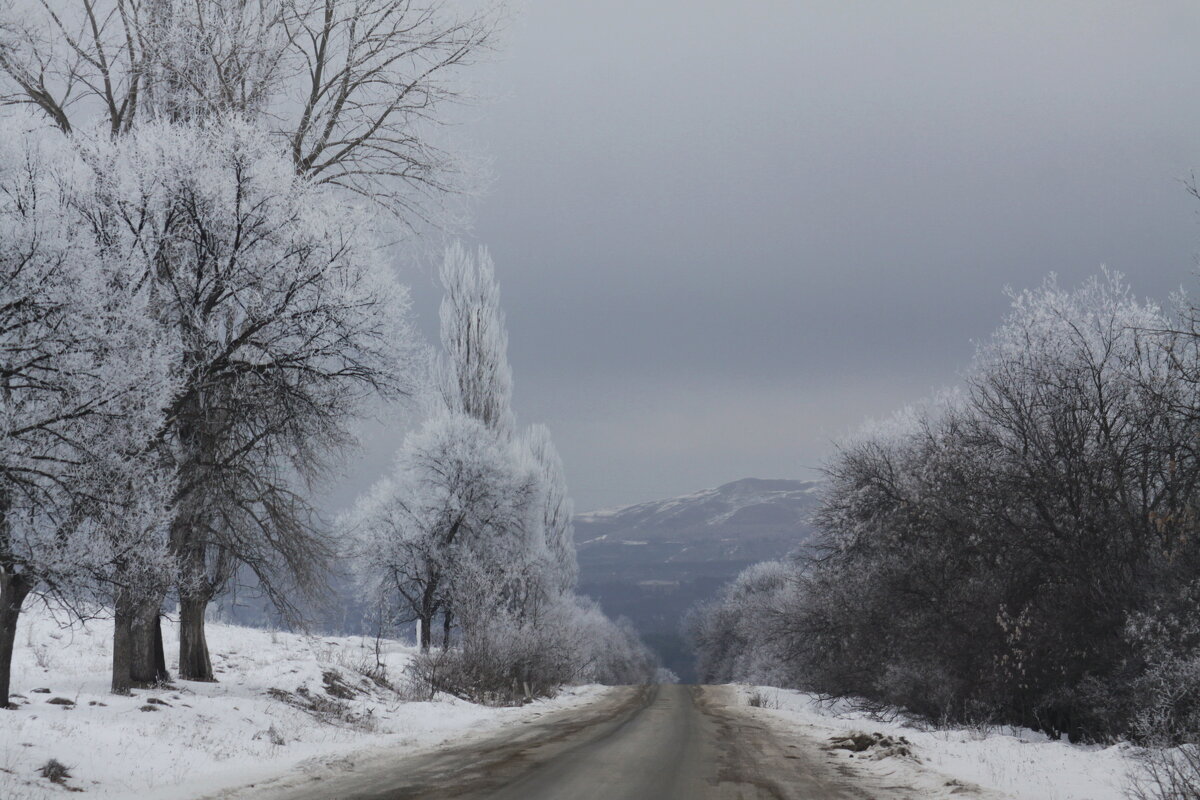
x=356, y=88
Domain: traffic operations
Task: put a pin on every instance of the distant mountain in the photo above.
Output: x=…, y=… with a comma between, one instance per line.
x=652, y=561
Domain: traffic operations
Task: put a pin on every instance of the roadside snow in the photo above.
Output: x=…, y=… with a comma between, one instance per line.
x=1013, y=762
x=260, y=719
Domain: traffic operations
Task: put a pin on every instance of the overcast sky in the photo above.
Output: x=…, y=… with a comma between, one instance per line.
x=727, y=233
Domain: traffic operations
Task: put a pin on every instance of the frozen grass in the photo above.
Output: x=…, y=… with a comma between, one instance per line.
x=281, y=699
x=1011, y=762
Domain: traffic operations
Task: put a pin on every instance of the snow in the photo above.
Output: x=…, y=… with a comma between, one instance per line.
x=647, y=507
x=1010, y=762
x=729, y=498
x=211, y=736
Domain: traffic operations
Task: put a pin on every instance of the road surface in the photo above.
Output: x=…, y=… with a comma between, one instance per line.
x=642, y=743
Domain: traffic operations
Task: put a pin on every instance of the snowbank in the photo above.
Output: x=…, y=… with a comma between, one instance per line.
x=1013, y=762
x=281, y=699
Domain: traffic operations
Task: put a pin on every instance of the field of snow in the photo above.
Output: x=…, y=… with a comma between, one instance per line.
x=1011, y=762
x=283, y=701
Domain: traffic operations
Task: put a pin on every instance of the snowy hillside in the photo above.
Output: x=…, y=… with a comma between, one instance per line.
x=282, y=700
x=653, y=561
x=750, y=501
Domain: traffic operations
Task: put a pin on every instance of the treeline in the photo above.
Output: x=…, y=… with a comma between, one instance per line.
x=197, y=302
x=470, y=536
x=1022, y=550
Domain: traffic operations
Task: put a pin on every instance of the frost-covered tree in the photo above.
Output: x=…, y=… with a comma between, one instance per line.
x=557, y=510
x=474, y=526
x=286, y=320
x=475, y=379
x=605, y=651
x=736, y=636
x=513, y=659
x=352, y=88
x=83, y=379
x=473, y=370
x=140, y=569
x=219, y=133
x=447, y=524
x=1019, y=550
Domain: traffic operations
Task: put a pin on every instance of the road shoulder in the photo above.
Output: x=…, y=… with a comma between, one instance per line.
x=795, y=751
x=471, y=761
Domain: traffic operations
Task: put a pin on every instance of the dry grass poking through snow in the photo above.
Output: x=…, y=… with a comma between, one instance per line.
x=281, y=699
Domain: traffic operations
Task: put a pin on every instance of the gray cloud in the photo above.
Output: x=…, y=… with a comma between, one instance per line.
x=727, y=233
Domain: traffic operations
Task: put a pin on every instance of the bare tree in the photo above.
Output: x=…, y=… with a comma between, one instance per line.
x=351, y=91
x=354, y=88
x=83, y=382
x=1022, y=550
x=286, y=320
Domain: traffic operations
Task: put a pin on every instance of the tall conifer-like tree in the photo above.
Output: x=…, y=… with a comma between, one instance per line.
x=474, y=374
x=557, y=510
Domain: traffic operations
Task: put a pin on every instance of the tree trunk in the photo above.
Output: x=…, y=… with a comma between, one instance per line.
x=447, y=620
x=160, y=654
x=14, y=588
x=426, y=620
x=122, y=656
x=194, y=663
x=149, y=666
x=194, y=594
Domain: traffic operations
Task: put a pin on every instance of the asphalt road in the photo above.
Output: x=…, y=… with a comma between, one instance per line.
x=675, y=744
x=644, y=743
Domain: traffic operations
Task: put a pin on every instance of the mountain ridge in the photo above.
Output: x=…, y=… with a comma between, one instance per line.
x=743, y=487
x=654, y=560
